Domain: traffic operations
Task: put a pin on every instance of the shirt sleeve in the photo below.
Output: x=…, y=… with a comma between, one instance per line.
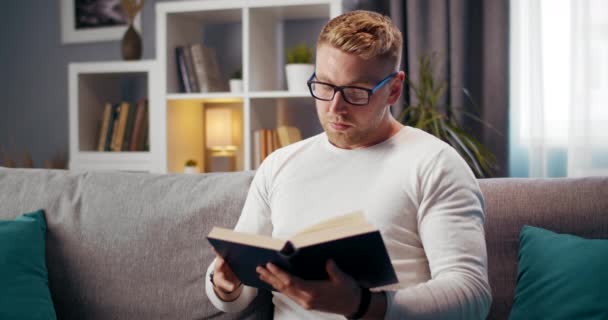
x=255, y=218
x=450, y=224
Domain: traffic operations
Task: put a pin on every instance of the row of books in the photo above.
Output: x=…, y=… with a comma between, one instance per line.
x=198, y=69
x=266, y=141
x=124, y=127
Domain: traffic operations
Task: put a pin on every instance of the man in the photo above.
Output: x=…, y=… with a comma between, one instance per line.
x=413, y=187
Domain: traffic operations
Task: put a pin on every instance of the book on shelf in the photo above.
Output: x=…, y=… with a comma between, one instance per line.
x=121, y=127
x=190, y=69
x=266, y=141
x=214, y=78
x=124, y=127
x=138, y=126
x=288, y=135
x=105, y=125
x=143, y=142
x=115, y=125
x=126, y=142
x=182, y=73
x=198, y=69
x=354, y=244
x=257, y=159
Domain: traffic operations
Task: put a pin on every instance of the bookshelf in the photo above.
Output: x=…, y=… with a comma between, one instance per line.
x=93, y=84
x=246, y=34
x=249, y=34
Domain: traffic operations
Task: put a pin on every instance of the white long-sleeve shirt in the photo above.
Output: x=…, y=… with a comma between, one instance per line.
x=413, y=187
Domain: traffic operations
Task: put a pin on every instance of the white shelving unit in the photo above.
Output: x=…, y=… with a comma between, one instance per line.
x=248, y=34
x=93, y=84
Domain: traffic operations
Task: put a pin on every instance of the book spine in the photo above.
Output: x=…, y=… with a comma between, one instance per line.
x=190, y=69
x=198, y=59
x=212, y=69
x=137, y=127
x=107, y=115
x=143, y=136
x=115, y=120
x=122, y=123
x=256, y=149
x=129, y=128
x=181, y=70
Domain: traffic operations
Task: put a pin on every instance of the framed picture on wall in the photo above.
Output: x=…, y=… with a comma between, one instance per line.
x=93, y=20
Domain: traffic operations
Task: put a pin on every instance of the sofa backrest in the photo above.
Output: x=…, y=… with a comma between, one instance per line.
x=129, y=246
x=150, y=230
x=564, y=205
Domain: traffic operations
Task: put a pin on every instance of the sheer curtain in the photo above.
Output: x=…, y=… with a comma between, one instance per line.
x=559, y=88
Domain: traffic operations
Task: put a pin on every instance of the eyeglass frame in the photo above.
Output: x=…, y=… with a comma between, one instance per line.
x=370, y=92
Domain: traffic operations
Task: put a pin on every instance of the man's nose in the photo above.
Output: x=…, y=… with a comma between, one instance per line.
x=337, y=104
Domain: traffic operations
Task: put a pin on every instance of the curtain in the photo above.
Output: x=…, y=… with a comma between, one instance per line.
x=471, y=39
x=559, y=88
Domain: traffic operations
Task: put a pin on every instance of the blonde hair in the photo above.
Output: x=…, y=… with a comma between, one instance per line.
x=367, y=34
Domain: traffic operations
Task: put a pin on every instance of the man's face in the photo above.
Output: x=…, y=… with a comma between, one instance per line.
x=348, y=126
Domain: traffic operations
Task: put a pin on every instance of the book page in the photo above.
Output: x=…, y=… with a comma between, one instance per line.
x=352, y=219
x=326, y=235
x=246, y=238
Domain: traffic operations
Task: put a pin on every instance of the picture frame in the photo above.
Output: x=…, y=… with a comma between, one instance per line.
x=109, y=30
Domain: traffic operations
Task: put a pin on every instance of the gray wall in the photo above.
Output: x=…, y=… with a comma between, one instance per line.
x=34, y=78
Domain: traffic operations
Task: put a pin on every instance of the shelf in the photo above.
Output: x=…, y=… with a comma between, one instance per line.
x=279, y=94
x=110, y=67
x=252, y=34
x=92, y=85
x=124, y=161
x=210, y=96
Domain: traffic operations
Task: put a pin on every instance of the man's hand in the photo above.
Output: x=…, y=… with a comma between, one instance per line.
x=340, y=294
x=226, y=284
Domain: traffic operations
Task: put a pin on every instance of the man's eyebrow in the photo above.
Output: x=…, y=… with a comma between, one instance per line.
x=358, y=81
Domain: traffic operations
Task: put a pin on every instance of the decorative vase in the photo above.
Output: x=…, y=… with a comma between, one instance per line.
x=236, y=85
x=297, y=75
x=190, y=169
x=131, y=44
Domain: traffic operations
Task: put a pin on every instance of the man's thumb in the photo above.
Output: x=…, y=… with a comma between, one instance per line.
x=333, y=271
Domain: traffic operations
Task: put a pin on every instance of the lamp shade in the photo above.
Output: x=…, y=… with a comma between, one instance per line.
x=218, y=125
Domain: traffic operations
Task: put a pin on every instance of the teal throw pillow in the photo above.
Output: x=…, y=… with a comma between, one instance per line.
x=560, y=276
x=24, y=290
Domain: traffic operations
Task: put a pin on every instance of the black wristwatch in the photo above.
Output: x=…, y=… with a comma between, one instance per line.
x=366, y=298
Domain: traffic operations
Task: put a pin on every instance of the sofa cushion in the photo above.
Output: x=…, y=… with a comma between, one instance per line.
x=560, y=276
x=24, y=291
x=565, y=205
x=128, y=245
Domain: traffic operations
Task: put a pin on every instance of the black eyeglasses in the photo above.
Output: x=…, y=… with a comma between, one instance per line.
x=354, y=95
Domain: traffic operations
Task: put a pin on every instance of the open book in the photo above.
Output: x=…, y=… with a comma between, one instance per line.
x=352, y=242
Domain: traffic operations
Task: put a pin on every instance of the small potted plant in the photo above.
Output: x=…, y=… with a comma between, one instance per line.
x=190, y=166
x=299, y=67
x=236, y=81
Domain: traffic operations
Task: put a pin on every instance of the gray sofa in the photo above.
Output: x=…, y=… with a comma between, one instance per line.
x=133, y=246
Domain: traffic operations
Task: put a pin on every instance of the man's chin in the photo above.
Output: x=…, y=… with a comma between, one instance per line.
x=340, y=139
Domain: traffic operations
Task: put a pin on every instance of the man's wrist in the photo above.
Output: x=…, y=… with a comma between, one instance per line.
x=364, y=303
x=226, y=296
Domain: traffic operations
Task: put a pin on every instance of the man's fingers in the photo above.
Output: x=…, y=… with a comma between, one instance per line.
x=287, y=279
x=284, y=283
x=335, y=274
x=221, y=282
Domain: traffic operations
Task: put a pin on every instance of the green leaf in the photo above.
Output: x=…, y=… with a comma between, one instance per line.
x=427, y=114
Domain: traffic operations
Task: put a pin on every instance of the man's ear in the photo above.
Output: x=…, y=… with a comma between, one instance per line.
x=396, y=87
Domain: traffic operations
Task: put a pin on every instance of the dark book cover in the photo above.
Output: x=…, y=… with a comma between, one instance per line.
x=190, y=69
x=362, y=256
x=182, y=73
x=111, y=127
